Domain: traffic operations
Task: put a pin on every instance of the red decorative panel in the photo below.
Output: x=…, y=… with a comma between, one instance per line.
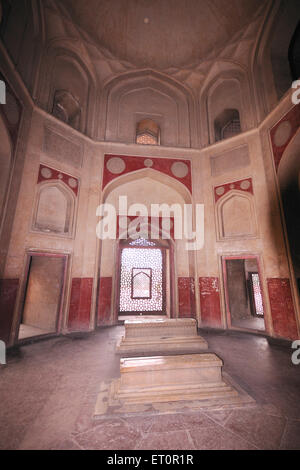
x=8, y=294
x=288, y=125
x=186, y=297
x=80, y=304
x=245, y=186
x=210, y=301
x=49, y=174
x=104, y=301
x=126, y=164
x=282, y=308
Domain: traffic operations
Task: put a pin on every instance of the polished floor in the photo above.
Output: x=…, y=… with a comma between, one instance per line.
x=49, y=388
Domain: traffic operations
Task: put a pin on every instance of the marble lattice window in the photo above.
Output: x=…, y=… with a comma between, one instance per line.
x=230, y=129
x=148, y=133
x=227, y=124
x=258, y=301
x=141, y=280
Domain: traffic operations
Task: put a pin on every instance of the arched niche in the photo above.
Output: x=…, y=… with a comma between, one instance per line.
x=147, y=94
x=294, y=53
x=289, y=182
x=22, y=33
x=5, y=164
x=236, y=217
x=147, y=187
x=54, y=210
x=66, y=79
x=271, y=68
x=69, y=86
x=225, y=91
x=223, y=97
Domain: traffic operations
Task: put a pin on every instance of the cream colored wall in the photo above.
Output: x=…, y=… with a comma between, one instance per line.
x=189, y=91
x=85, y=249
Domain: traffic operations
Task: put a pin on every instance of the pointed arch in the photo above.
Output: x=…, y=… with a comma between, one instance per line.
x=215, y=99
x=54, y=209
x=174, y=108
x=236, y=217
x=155, y=176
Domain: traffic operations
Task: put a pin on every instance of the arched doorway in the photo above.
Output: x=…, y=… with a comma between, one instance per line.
x=138, y=188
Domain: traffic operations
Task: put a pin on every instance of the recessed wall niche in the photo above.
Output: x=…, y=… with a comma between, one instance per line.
x=54, y=209
x=236, y=216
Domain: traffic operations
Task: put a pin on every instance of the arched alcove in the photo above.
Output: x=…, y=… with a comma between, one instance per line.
x=54, y=209
x=271, y=60
x=225, y=99
x=224, y=105
x=180, y=263
x=128, y=99
x=289, y=181
x=294, y=53
x=69, y=90
x=66, y=79
x=236, y=216
x=283, y=38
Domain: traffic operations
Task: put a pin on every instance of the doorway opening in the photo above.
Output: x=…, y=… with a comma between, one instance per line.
x=42, y=306
x=144, y=278
x=243, y=293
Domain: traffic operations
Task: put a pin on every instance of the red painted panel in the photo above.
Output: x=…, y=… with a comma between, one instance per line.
x=104, y=301
x=210, y=302
x=245, y=185
x=282, y=308
x=186, y=297
x=162, y=165
x=8, y=294
x=80, y=304
x=293, y=117
x=70, y=181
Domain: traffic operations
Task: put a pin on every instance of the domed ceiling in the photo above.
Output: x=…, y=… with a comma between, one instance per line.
x=162, y=33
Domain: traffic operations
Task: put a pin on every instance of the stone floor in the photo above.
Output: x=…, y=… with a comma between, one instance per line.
x=48, y=392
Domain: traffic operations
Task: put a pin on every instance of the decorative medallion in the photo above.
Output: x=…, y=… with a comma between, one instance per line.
x=179, y=169
x=116, y=165
x=283, y=133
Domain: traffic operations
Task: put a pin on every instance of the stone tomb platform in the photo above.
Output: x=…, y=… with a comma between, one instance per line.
x=160, y=336
x=164, y=383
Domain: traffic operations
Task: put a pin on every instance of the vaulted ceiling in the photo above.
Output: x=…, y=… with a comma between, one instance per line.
x=161, y=33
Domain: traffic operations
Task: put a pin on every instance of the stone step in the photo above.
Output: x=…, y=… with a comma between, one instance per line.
x=161, y=335
x=171, y=378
